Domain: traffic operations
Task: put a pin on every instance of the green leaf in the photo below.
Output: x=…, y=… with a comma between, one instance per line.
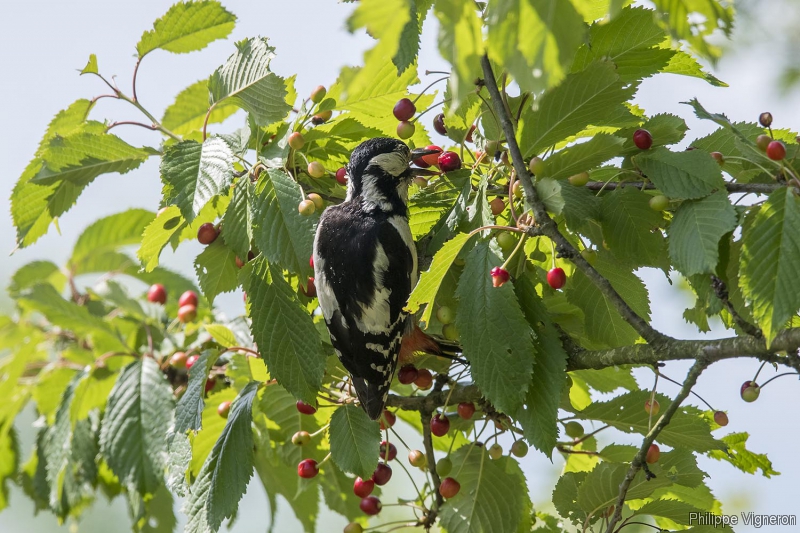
x=187, y=27
x=337, y=490
x=584, y=156
x=189, y=411
x=549, y=191
x=216, y=270
x=49, y=389
x=770, y=258
x=497, y=340
x=631, y=229
x=108, y=234
x=133, y=435
x=608, y=379
x=194, y=173
x=600, y=488
x=695, y=21
x=603, y=323
x=539, y=416
x=81, y=157
x=493, y=496
x=157, y=234
x=684, y=175
x=431, y=280
x=92, y=393
x=739, y=456
x=386, y=21
x=678, y=512
x=725, y=141
x=221, y=334
x=245, y=80
x=187, y=114
x=354, y=441
x=284, y=235
x=686, y=65
x=686, y=429
x=695, y=231
x=589, y=97
x=223, y=479
x=238, y=219
x=460, y=44
x=284, y=332
x=91, y=65
x=534, y=35
x=408, y=48
x=281, y=479
x=36, y=272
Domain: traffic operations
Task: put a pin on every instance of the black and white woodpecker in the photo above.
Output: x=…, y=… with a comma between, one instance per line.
x=365, y=266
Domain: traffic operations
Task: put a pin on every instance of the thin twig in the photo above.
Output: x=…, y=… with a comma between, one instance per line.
x=721, y=290
x=151, y=127
x=748, y=188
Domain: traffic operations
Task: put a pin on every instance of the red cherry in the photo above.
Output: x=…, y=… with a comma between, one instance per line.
x=370, y=505
x=497, y=206
x=307, y=468
x=239, y=263
x=750, y=391
x=179, y=360
x=652, y=408
x=440, y=425
x=653, y=454
x=363, y=487
x=387, y=419
x=311, y=261
x=466, y=410
x=311, y=291
x=210, y=385
x=341, y=176
x=382, y=474
x=405, y=129
x=776, y=150
x=404, y=109
x=438, y=124
x=449, y=161
x=721, y=418
x=224, y=409
x=556, y=278
x=718, y=157
x=469, y=134
x=191, y=360
x=407, y=374
x=432, y=159
x=392, y=451
x=188, y=298
x=207, y=233
x=642, y=139
x=424, y=379
x=187, y=313
x=499, y=276
x=157, y=294
x=449, y=487
x=306, y=409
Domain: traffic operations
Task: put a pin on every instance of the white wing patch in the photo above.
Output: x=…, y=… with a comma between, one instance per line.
x=400, y=223
x=375, y=314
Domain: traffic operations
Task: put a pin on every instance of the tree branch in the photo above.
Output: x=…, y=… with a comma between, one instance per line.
x=721, y=290
x=425, y=416
x=639, y=459
x=548, y=225
x=754, y=188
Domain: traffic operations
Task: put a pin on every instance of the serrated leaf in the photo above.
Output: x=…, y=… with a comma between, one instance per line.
x=549, y=191
x=337, y=491
x=354, y=441
x=631, y=228
x=603, y=323
x=496, y=339
x=221, y=334
x=238, y=219
x=583, y=157
x=195, y=173
x=223, y=479
x=600, y=488
x=133, y=437
x=189, y=410
x=695, y=231
x=216, y=270
x=108, y=234
x=284, y=332
x=739, y=456
x=608, y=379
x=187, y=113
x=695, y=21
x=386, y=21
x=677, y=511
x=431, y=280
x=36, y=272
x=539, y=416
x=686, y=65
x=684, y=175
x=460, y=44
x=187, y=27
x=245, y=80
x=493, y=496
x=589, y=97
x=687, y=428
x=539, y=35
x=91, y=65
x=284, y=235
x=157, y=234
x=770, y=258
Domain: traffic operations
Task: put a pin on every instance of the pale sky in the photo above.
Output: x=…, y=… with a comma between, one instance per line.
x=44, y=43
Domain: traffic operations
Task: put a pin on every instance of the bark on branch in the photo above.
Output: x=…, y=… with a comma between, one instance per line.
x=754, y=188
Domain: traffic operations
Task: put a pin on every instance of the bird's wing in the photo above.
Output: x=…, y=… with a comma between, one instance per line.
x=363, y=269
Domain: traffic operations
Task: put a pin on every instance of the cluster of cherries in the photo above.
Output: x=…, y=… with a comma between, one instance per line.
x=187, y=303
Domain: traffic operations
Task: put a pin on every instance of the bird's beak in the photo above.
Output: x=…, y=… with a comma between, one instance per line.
x=419, y=152
x=416, y=154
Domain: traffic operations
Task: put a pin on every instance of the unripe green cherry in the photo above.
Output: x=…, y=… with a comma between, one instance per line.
x=579, y=180
x=306, y=208
x=450, y=332
x=319, y=203
x=318, y=94
x=495, y=451
x=589, y=254
x=445, y=315
x=315, y=169
x=537, y=166
x=444, y=466
x=506, y=241
x=516, y=189
x=659, y=203
x=574, y=429
x=519, y=448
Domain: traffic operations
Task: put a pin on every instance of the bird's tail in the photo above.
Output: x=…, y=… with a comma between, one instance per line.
x=418, y=341
x=371, y=396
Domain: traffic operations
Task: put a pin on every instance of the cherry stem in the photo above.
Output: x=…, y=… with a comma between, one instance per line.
x=151, y=127
x=325, y=460
x=205, y=120
x=135, y=72
x=321, y=430
x=773, y=378
x=437, y=104
x=414, y=483
x=652, y=399
x=428, y=87
x=241, y=349
x=520, y=244
x=658, y=373
x=759, y=371
x=589, y=435
x=626, y=523
x=429, y=72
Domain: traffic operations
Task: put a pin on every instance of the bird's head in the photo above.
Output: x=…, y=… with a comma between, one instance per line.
x=379, y=173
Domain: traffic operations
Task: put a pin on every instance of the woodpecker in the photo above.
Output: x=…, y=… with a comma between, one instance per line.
x=365, y=266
